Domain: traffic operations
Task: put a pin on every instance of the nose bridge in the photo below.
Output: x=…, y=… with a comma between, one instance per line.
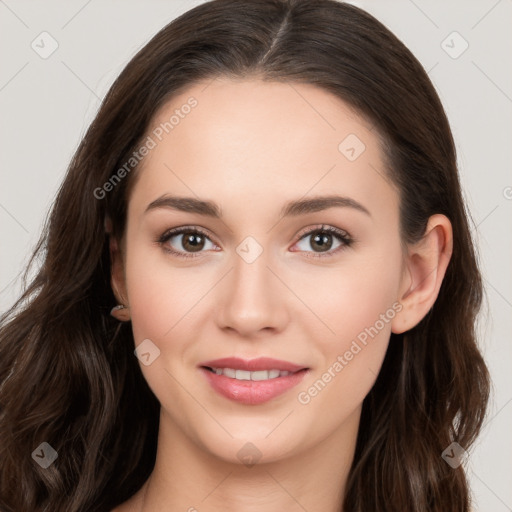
x=253, y=298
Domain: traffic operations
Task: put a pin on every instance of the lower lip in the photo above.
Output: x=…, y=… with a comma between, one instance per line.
x=252, y=392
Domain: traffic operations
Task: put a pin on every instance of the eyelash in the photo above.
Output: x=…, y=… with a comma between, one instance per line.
x=345, y=239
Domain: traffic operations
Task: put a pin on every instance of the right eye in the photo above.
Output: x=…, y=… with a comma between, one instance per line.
x=184, y=241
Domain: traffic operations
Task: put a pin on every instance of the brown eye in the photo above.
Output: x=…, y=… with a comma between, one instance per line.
x=322, y=241
x=327, y=239
x=185, y=241
x=192, y=241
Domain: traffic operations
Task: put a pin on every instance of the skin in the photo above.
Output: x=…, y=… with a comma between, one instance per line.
x=251, y=146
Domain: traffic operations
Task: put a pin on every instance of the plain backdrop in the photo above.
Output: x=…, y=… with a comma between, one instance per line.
x=47, y=103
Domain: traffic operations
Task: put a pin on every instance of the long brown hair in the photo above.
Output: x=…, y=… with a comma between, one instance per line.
x=68, y=375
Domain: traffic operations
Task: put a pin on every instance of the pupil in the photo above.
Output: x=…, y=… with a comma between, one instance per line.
x=189, y=240
x=320, y=239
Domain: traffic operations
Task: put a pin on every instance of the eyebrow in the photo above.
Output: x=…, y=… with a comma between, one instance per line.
x=290, y=209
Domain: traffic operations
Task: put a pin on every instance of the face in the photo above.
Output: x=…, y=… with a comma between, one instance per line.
x=317, y=287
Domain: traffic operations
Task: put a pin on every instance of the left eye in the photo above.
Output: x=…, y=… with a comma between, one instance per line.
x=322, y=240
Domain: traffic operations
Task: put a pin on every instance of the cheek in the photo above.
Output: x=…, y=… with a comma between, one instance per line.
x=162, y=302
x=353, y=296
x=352, y=364
x=160, y=294
x=358, y=303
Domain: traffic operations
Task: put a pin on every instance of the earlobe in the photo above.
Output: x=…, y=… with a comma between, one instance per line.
x=121, y=313
x=426, y=265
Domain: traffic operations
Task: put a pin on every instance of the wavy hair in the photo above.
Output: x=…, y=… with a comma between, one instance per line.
x=68, y=375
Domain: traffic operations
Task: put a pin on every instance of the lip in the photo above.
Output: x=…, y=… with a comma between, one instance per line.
x=249, y=392
x=253, y=365
x=252, y=392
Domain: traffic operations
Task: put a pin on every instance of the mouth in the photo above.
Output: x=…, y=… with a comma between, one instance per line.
x=235, y=364
x=252, y=382
x=257, y=375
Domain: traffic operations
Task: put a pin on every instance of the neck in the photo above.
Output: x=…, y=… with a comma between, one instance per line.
x=188, y=477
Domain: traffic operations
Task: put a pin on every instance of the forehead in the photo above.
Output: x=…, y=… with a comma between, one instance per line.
x=264, y=141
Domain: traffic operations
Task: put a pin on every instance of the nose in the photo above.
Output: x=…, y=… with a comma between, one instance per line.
x=253, y=300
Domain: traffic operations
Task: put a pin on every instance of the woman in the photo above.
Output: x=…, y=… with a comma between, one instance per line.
x=258, y=287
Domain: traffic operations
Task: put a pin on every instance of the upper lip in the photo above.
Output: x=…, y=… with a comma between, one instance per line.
x=253, y=365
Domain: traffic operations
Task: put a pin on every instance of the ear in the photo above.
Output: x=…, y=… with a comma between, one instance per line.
x=117, y=279
x=424, y=271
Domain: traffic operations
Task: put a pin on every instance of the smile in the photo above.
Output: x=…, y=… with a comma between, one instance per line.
x=248, y=375
x=251, y=387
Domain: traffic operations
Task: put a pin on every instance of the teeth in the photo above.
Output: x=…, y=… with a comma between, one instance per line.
x=242, y=375
x=247, y=375
x=229, y=372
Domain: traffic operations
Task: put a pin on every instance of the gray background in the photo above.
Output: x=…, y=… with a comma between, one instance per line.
x=47, y=104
